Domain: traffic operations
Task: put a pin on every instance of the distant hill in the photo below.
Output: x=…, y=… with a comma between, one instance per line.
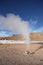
x=36, y=36
x=33, y=36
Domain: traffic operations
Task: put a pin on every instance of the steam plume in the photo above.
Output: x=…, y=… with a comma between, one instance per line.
x=15, y=23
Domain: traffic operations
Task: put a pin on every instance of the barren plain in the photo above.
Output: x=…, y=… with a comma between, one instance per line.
x=22, y=54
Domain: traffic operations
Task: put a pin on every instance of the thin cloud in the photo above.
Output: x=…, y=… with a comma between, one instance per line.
x=3, y=33
x=40, y=29
x=33, y=22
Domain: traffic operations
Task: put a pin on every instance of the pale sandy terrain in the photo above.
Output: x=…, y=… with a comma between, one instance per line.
x=18, y=54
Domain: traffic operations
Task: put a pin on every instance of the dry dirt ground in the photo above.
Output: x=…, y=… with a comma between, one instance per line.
x=18, y=54
x=33, y=37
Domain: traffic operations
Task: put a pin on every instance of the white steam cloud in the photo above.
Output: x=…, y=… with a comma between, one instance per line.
x=15, y=23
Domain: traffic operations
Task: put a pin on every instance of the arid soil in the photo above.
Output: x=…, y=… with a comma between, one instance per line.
x=19, y=54
x=22, y=54
x=33, y=37
x=36, y=36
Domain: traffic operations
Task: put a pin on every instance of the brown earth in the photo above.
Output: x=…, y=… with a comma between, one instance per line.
x=15, y=54
x=36, y=36
x=33, y=36
x=22, y=54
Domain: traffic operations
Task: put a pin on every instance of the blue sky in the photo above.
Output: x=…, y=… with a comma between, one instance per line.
x=28, y=10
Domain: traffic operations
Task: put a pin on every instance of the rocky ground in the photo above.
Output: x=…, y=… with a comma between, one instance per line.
x=21, y=54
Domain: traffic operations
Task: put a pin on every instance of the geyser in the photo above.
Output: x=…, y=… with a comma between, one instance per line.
x=16, y=24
